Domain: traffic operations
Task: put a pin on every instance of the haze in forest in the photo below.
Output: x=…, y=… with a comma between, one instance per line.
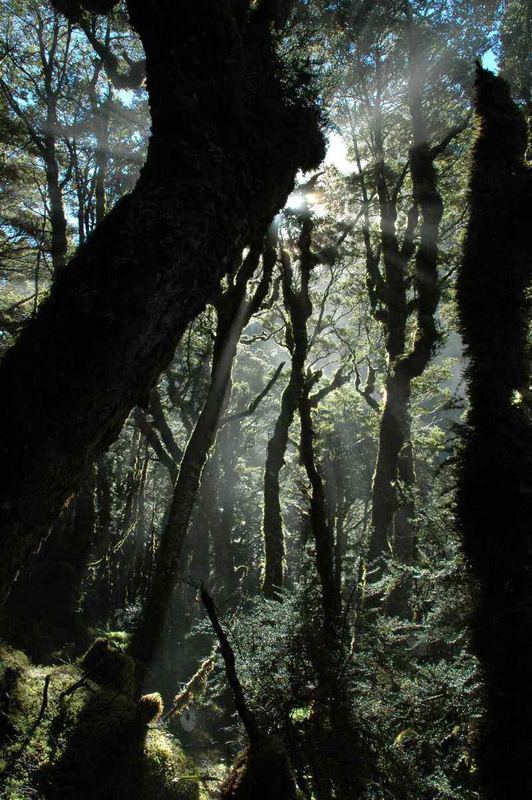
x=265, y=401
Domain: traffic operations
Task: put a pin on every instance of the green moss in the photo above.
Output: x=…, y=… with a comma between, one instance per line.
x=91, y=743
x=110, y=667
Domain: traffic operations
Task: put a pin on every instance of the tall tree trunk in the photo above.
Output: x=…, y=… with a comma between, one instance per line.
x=391, y=516
x=494, y=503
x=224, y=150
x=394, y=426
x=234, y=311
x=101, y=116
x=58, y=223
x=297, y=343
x=320, y=521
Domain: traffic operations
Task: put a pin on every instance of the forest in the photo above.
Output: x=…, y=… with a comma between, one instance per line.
x=265, y=400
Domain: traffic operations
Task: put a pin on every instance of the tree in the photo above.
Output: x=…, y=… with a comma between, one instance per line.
x=234, y=311
x=494, y=502
x=396, y=74
x=210, y=186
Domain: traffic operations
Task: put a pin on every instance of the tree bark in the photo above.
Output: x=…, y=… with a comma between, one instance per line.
x=40, y=612
x=494, y=502
x=225, y=146
x=395, y=459
x=297, y=342
x=224, y=574
x=58, y=223
x=320, y=521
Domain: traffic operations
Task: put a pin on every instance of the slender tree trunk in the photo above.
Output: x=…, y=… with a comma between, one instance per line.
x=58, y=223
x=101, y=124
x=320, y=521
x=395, y=459
x=224, y=150
x=297, y=342
x=101, y=130
x=233, y=313
x=494, y=503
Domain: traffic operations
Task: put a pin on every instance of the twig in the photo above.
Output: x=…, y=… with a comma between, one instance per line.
x=228, y=656
x=44, y=702
x=256, y=402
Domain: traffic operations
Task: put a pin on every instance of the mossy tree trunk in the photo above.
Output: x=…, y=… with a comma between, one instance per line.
x=494, y=503
x=41, y=611
x=225, y=146
x=300, y=309
x=320, y=521
x=391, y=514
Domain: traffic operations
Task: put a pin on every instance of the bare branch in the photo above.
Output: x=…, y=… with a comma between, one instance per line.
x=256, y=402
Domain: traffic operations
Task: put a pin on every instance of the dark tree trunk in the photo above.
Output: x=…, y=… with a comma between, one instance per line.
x=494, y=504
x=394, y=428
x=320, y=521
x=225, y=146
x=297, y=342
x=97, y=602
x=40, y=613
x=58, y=223
x=391, y=515
x=101, y=117
x=202, y=525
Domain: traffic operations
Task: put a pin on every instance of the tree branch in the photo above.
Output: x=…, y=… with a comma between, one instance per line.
x=339, y=380
x=256, y=402
x=245, y=714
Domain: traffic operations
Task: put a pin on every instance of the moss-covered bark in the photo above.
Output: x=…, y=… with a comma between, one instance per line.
x=300, y=309
x=494, y=504
x=391, y=517
x=225, y=145
x=41, y=611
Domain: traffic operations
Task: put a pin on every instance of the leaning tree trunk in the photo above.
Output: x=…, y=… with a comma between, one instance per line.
x=234, y=311
x=225, y=146
x=494, y=504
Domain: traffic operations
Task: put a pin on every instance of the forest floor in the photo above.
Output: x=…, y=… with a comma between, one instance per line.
x=64, y=736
